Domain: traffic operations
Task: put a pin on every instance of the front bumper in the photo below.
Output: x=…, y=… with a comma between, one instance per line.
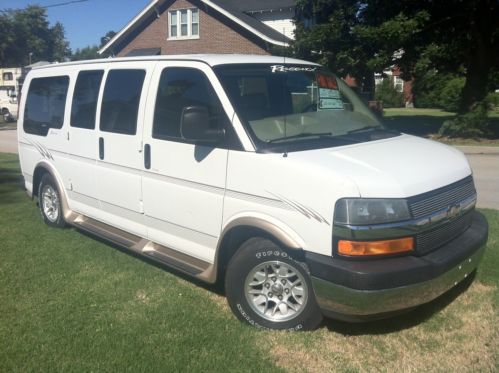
x=355, y=290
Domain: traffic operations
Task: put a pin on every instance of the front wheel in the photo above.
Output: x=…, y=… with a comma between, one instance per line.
x=49, y=200
x=267, y=288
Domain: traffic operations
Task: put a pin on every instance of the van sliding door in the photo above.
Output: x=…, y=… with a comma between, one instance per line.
x=120, y=159
x=82, y=139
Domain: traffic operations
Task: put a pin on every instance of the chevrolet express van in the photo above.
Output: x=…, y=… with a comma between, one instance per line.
x=266, y=174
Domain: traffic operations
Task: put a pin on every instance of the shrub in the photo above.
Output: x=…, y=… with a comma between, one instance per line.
x=387, y=93
x=427, y=88
x=450, y=94
x=470, y=125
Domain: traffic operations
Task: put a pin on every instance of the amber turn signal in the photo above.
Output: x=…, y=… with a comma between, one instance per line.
x=360, y=248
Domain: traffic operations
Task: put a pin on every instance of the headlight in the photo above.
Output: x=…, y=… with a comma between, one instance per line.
x=367, y=211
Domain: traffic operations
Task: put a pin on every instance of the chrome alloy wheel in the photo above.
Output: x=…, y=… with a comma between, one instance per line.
x=276, y=291
x=50, y=203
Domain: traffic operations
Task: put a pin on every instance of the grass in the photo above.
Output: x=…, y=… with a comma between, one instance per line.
x=69, y=302
x=427, y=122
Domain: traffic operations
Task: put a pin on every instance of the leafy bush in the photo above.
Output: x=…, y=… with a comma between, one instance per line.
x=387, y=93
x=493, y=100
x=470, y=125
x=427, y=87
x=450, y=95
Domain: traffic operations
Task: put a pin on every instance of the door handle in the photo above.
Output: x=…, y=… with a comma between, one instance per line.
x=101, y=148
x=147, y=156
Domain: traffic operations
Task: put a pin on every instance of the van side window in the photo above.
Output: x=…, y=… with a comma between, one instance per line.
x=120, y=102
x=85, y=97
x=180, y=87
x=45, y=104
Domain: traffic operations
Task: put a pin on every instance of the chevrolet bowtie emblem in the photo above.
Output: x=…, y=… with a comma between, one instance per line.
x=454, y=211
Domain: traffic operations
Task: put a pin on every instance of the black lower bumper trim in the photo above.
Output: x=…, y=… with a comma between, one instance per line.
x=387, y=273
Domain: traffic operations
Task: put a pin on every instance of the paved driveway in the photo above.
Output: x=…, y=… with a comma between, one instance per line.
x=8, y=140
x=483, y=159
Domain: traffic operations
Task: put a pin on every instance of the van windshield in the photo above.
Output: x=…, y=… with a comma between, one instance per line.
x=297, y=105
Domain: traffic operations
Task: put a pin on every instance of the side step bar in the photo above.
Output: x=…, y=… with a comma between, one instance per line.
x=172, y=258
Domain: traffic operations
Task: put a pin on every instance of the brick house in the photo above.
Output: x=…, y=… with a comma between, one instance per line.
x=405, y=87
x=206, y=26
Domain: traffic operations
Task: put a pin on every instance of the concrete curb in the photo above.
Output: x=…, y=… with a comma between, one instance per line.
x=489, y=150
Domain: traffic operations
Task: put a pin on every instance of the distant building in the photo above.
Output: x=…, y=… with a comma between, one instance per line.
x=400, y=85
x=206, y=26
x=10, y=87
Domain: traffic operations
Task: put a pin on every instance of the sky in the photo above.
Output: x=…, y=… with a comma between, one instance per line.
x=87, y=21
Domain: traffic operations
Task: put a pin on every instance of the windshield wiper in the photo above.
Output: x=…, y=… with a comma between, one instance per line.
x=301, y=135
x=364, y=129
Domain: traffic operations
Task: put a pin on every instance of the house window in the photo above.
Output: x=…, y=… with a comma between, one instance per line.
x=8, y=76
x=398, y=83
x=184, y=24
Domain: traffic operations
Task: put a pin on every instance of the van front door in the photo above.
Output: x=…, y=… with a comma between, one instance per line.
x=184, y=181
x=119, y=161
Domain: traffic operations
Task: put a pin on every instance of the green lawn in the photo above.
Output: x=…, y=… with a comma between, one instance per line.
x=69, y=302
x=427, y=122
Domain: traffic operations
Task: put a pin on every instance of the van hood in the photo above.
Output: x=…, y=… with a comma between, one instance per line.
x=397, y=167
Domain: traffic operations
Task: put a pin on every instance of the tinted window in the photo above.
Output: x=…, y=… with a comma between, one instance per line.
x=85, y=99
x=45, y=104
x=120, y=103
x=180, y=88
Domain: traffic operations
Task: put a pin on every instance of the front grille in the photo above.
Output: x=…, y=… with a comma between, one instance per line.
x=432, y=239
x=429, y=203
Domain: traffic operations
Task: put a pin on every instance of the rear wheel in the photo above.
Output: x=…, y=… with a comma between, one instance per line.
x=267, y=288
x=49, y=201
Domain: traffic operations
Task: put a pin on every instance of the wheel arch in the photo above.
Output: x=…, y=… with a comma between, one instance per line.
x=243, y=228
x=43, y=168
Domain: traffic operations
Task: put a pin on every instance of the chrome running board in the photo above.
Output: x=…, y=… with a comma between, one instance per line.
x=172, y=258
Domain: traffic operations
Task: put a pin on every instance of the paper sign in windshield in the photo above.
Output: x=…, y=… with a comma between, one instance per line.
x=329, y=95
x=330, y=103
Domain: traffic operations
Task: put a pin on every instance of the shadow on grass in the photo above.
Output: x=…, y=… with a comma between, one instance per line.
x=11, y=181
x=215, y=288
x=419, y=125
x=396, y=323
x=426, y=125
x=403, y=321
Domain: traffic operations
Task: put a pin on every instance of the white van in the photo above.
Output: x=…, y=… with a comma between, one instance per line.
x=268, y=174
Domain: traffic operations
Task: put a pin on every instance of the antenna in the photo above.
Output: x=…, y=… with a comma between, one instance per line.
x=284, y=90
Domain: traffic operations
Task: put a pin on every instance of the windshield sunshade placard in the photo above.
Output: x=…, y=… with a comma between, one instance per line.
x=329, y=94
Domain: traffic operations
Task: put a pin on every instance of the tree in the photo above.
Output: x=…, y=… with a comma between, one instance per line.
x=105, y=39
x=351, y=38
x=458, y=37
x=27, y=31
x=91, y=52
x=360, y=37
x=86, y=53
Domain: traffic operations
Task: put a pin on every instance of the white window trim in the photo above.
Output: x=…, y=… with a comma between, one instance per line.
x=189, y=24
x=398, y=82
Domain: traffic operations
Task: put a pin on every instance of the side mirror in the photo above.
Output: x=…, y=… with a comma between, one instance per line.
x=195, y=126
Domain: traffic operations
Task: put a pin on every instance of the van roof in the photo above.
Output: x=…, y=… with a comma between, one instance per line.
x=210, y=59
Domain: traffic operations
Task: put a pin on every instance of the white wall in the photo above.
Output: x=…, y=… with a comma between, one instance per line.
x=279, y=21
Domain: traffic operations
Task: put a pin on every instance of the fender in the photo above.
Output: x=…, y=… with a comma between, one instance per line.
x=272, y=226
x=266, y=223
